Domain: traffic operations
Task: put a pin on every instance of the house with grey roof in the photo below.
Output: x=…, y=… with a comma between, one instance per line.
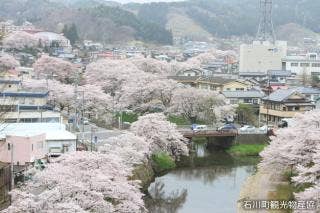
x=284, y=103
x=311, y=93
x=244, y=97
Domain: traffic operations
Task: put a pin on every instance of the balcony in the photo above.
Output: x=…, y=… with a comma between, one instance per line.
x=278, y=113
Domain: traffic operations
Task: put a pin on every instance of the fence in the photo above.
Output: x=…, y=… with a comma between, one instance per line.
x=5, y=186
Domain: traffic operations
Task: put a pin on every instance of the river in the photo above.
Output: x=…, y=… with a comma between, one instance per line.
x=206, y=181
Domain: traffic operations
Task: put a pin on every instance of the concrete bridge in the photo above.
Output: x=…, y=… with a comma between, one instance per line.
x=225, y=139
x=208, y=133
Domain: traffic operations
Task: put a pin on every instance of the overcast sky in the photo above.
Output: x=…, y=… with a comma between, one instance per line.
x=144, y=1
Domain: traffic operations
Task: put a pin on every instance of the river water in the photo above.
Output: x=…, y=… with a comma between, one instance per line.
x=208, y=181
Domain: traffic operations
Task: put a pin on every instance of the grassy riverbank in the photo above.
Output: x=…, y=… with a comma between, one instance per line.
x=246, y=149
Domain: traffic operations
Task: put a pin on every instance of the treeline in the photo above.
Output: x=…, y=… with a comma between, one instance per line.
x=234, y=17
x=144, y=30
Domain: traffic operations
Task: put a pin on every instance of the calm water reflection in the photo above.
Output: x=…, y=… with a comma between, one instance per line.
x=208, y=181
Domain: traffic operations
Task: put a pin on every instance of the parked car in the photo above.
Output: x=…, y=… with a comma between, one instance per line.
x=227, y=127
x=264, y=129
x=247, y=128
x=85, y=121
x=200, y=128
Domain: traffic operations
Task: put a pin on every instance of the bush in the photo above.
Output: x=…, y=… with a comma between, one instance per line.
x=163, y=162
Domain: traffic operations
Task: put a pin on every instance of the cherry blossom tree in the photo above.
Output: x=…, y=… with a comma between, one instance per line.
x=63, y=95
x=196, y=104
x=160, y=134
x=20, y=40
x=99, y=181
x=297, y=148
x=132, y=87
x=55, y=68
x=80, y=182
x=131, y=148
x=154, y=66
x=8, y=62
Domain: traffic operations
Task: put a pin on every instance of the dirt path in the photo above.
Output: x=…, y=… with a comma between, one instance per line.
x=258, y=187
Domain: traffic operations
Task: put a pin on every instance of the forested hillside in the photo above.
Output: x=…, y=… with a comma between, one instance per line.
x=96, y=22
x=110, y=21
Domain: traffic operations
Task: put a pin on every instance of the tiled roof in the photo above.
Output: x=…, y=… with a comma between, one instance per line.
x=243, y=94
x=308, y=90
x=280, y=95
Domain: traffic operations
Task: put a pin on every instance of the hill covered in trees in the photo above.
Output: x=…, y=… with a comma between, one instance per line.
x=224, y=18
x=112, y=22
x=96, y=22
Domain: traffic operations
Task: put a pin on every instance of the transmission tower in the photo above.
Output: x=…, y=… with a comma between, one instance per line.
x=265, y=30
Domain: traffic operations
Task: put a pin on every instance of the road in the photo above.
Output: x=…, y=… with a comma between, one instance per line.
x=91, y=131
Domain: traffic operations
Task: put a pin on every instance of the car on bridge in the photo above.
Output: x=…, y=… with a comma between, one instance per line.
x=196, y=127
x=228, y=127
x=247, y=128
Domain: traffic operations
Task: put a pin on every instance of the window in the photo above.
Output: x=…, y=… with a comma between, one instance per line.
x=315, y=64
x=294, y=64
x=247, y=100
x=239, y=89
x=304, y=64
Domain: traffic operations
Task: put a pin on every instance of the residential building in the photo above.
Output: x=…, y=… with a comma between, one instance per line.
x=22, y=150
x=312, y=94
x=252, y=97
x=26, y=106
x=52, y=39
x=56, y=138
x=212, y=83
x=284, y=104
x=7, y=27
x=9, y=84
x=262, y=56
x=237, y=85
x=5, y=185
x=308, y=64
x=191, y=72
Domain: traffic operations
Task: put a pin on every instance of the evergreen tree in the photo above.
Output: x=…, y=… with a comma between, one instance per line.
x=71, y=33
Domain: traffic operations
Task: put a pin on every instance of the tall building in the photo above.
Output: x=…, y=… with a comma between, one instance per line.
x=262, y=56
x=265, y=53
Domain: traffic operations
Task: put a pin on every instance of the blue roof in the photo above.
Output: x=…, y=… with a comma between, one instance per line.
x=10, y=81
x=308, y=90
x=25, y=94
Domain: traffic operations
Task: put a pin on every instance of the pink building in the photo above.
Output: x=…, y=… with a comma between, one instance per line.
x=24, y=150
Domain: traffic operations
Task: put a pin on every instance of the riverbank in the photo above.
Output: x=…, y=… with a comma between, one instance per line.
x=246, y=149
x=263, y=186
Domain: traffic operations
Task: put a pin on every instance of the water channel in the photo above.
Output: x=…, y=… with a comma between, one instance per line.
x=207, y=181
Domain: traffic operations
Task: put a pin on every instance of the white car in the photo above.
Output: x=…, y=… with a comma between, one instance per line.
x=85, y=121
x=200, y=128
x=247, y=128
x=263, y=128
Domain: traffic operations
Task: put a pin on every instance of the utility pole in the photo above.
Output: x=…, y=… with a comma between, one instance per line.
x=10, y=146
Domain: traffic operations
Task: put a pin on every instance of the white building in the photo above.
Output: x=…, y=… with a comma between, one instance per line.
x=51, y=38
x=7, y=27
x=262, y=56
x=57, y=139
x=302, y=65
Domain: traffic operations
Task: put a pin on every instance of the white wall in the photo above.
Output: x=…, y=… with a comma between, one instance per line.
x=261, y=57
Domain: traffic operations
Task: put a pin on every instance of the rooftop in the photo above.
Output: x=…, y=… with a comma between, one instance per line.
x=243, y=94
x=308, y=90
x=53, y=131
x=281, y=95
